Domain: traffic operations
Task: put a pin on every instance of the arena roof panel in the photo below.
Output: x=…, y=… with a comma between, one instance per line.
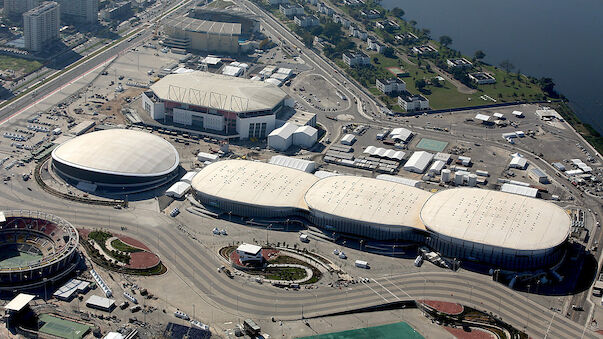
x=496, y=219
x=218, y=92
x=368, y=200
x=254, y=183
x=204, y=26
x=119, y=152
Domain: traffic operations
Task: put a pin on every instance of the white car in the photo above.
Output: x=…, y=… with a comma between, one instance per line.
x=223, y=232
x=216, y=230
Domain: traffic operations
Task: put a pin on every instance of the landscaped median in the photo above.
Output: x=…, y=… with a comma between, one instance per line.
x=276, y=266
x=120, y=253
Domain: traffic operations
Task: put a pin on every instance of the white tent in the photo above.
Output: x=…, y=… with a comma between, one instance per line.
x=418, y=162
x=178, y=190
x=305, y=136
x=188, y=177
x=348, y=139
x=281, y=138
x=298, y=164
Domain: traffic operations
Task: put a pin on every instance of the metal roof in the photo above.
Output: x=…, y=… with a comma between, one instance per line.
x=295, y=163
x=254, y=183
x=218, y=92
x=101, y=302
x=120, y=152
x=519, y=189
x=368, y=200
x=496, y=218
x=384, y=153
x=19, y=302
x=204, y=26
x=418, y=161
x=249, y=248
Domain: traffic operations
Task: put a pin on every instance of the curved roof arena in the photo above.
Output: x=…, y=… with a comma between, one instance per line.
x=368, y=200
x=254, y=183
x=496, y=218
x=218, y=92
x=120, y=152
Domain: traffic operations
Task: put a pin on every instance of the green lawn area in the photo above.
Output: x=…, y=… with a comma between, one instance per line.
x=17, y=64
x=121, y=246
x=285, y=273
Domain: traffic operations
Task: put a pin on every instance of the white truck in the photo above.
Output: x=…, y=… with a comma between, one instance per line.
x=361, y=264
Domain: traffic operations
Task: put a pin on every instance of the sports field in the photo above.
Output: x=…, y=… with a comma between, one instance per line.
x=63, y=328
x=391, y=331
x=10, y=256
x=432, y=145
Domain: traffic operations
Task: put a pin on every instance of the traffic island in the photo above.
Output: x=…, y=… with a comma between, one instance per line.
x=120, y=253
x=270, y=265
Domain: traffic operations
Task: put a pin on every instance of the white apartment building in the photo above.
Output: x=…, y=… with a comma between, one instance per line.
x=41, y=26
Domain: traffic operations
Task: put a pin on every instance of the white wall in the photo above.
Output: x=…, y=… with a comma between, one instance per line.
x=243, y=124
x=155, y=110
x=183, y=117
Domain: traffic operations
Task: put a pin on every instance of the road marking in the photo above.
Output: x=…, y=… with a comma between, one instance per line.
x=374, y=291
x=398, y=287
x=383, y=287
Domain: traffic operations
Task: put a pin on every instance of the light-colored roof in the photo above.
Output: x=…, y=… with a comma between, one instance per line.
x=120, y=152
x=496, y=218
x=218, y=92
x=399, y=179
x=204, y=26
x=401, y=133
x=113, y=335
x=307, y=130
x=99, y=301
x=295, y=163
x=384, y=153
x=249, y=248
x=519, y=189
x=518, y=161
x=418, y=161
x=482, y=117
x=254, y=183
x=285, y=131
x=188, y=177
x=368, y=200
x=178, y=189
x=19, y=302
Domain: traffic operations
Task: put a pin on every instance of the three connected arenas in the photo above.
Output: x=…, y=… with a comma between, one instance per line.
x=35, y=248
x=116, y=160
x=475, y=225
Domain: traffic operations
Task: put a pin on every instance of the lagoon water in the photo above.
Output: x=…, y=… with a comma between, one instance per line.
x=557, y=38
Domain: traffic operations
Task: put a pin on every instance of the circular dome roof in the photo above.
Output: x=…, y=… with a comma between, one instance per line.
x=119, y=152
x=496, y=218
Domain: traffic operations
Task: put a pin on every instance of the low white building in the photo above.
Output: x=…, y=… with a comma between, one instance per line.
x=291, y=10
x=249, y=252
x=188, y=177
x=418, y=161
x=518, y=162
x=356, y=59
x=282, y=138
x=295, y=163
x=203, y=157
x=415, y=102
x=178, y=190
x=538, y=175
x=388, y=86
x=305, y=20
x=348, y=139
x=459, y=63
x=305, y=136
x=482, y=78
x=401, y=134
x=437, y=167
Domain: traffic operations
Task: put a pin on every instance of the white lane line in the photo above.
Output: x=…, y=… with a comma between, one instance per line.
x=388, y=291
x=398, y=287
x=377, y=293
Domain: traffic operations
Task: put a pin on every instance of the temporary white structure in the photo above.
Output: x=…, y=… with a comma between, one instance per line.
x=418, y=162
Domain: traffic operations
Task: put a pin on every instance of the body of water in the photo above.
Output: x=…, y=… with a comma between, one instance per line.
x=556, y=38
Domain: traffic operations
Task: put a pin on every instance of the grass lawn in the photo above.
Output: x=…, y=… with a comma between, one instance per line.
x=285, y=273
x=121, y=246
x=17, y=64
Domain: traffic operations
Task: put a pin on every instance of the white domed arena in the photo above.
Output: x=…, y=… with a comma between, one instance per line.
x=116, y=161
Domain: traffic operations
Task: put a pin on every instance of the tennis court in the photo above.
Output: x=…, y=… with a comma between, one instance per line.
x=432, y=145
x=62, y=328
x=391, y=331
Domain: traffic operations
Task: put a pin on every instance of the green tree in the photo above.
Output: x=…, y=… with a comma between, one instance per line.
x=389, y=52
x=507, y=65
x=398, y=12
x=479, y=55
x=308, y=39
x=420, y=84
x=445, y=40
x=548, y=86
